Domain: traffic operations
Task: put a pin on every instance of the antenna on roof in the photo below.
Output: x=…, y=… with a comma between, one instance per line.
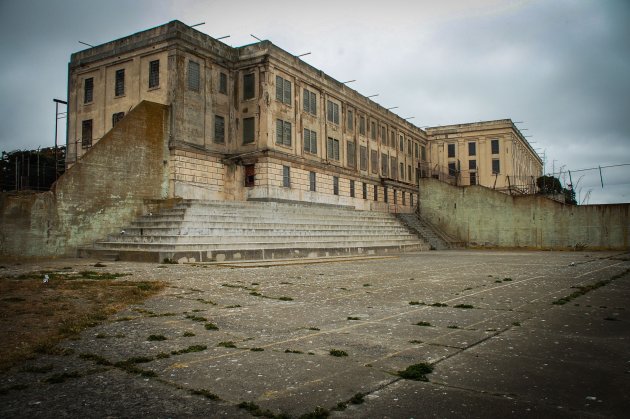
x=372, y=95
x=393, y=107
x=197, y=24
x=222, y=37
x=409, y=117
x=85, y=43
x=346, y=82
x=255, y=37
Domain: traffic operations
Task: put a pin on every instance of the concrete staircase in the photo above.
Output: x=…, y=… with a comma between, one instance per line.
x=203, y=231
x=437, y=239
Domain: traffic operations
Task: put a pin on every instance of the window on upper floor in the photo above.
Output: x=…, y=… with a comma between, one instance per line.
x=223, y=83
x=310, y=102
x=496, y=166
x=494, y=144
x=472, y=149
x=394, y=167
x=451, y=150
x=332, y=110
x=384, y=165
x=373, y=130
x=86, y=133
x=310, y=141
x=409, y=147
x=363, y=158
x=415, y=149
x=249, y=130
x=374, y=161
x=423, y=153
x=402, y=144
x=452, y=169
x=351, y=154
x=88, y=90
x=362, y=125
x=332, y=149
x=350, y=120
x=472, y=164
x=219, y=129
x=384, y=135
x=402, y=171
x=154, y=74
x=249, y=86
x=119, y=85
x=283, y=90
x=283, y=132
x=194, y=76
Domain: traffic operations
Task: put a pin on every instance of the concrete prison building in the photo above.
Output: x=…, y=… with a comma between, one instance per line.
x=256, y=122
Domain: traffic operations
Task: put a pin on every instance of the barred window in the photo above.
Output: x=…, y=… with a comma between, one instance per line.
x=336, y=185
x=385, y=193
x=472, y=149
x=332, y=112
x=472, y=164
x=249, y=125
x=409, y=147
x=385, y=164
x=283, y=90
x=88, y=90
x=408, y=173
x=415, y=149
x=194, y=76
x=86, y=133
x=496, y=166
x=350, y=120
x=402, y=171
x=374, y=161
x=117, y=117
x=154, y=74
x=375, y=193
x=310, y=141
x=402, y=143
x=452, y=169
x=351, y=154
x=364, y=190
x=249, y=86
x=310, y=102
x=286, y=176
x=384, y=135
x=351, y=188
x=423, y=153
x=363, y=158
x=373, y=130
x=119, y=87
x=223, y=83
x=332, y=149
x=312, y=181
x=283, y=132
x=394, y=168
x=219, y=129
x=362, y=125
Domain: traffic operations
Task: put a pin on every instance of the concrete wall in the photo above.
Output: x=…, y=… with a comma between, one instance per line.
x=105, y=190
x=483, y=217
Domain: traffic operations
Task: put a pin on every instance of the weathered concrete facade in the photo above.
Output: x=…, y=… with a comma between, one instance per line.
x=109, y=186
x=486, y=218
x=494, y=154
x=249, y=122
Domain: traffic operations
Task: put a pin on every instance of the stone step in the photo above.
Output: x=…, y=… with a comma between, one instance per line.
x=302, y=222
x=279, y=230
x=258, y=239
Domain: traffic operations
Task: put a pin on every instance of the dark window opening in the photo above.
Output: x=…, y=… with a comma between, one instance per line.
x=472, y=149
x=249, y=86
x=119, y=87
x=250, y=175
x=312, y=181
x=332, y=149
x=310, y=141
x=451, y=150
x=154, y=74
x=374, y=161
x=283, y=90
x=351, y=154
x=117, y=117
x=363, y=158
x=310, y=102
x=194, y=76
x=495, y=146
x=364, y=190
x=223, y=83
x=352, y=189
x=86, y=133
x=219, y=129
x=385, y=194
x=496, y=166
x=283, y=132
x=286, y=176
x=248, y=130
x=332, y=112
x=88, y=90
x=336, y=185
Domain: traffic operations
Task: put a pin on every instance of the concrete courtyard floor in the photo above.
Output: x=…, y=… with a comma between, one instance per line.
x=513, y=354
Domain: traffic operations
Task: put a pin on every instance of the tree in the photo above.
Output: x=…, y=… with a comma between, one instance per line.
x=550, y=185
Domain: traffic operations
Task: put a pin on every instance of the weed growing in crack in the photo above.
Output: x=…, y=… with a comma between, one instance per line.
x=353, y=318
x=211, y=326
x=256, y=349
x=423, y=323
x=99, y=360
x=292, y=351
x=453, y=326
x=415, y=303
x=464, y=306
x=417, y=372
x=191, y=348
x=415, y=341
x=205, y=393
x=196, y=318
x=338, y=352
x=156, y=337
x=227, y=344
x=439, y=305
x=188, y=334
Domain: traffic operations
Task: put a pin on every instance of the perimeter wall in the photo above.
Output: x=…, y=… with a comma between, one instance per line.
x=482, y=217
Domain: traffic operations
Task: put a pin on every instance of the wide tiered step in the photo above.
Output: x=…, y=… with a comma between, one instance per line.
x=199, y=231
x=438, y=240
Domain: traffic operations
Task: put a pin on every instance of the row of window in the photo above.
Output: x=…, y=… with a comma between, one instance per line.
x=193, y=80
x=283, y=95
x=472, y=148
x=87, y=128
x=286, y=182
x=453, y=168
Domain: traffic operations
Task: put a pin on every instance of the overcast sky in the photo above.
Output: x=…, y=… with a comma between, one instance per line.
x=562, y=67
